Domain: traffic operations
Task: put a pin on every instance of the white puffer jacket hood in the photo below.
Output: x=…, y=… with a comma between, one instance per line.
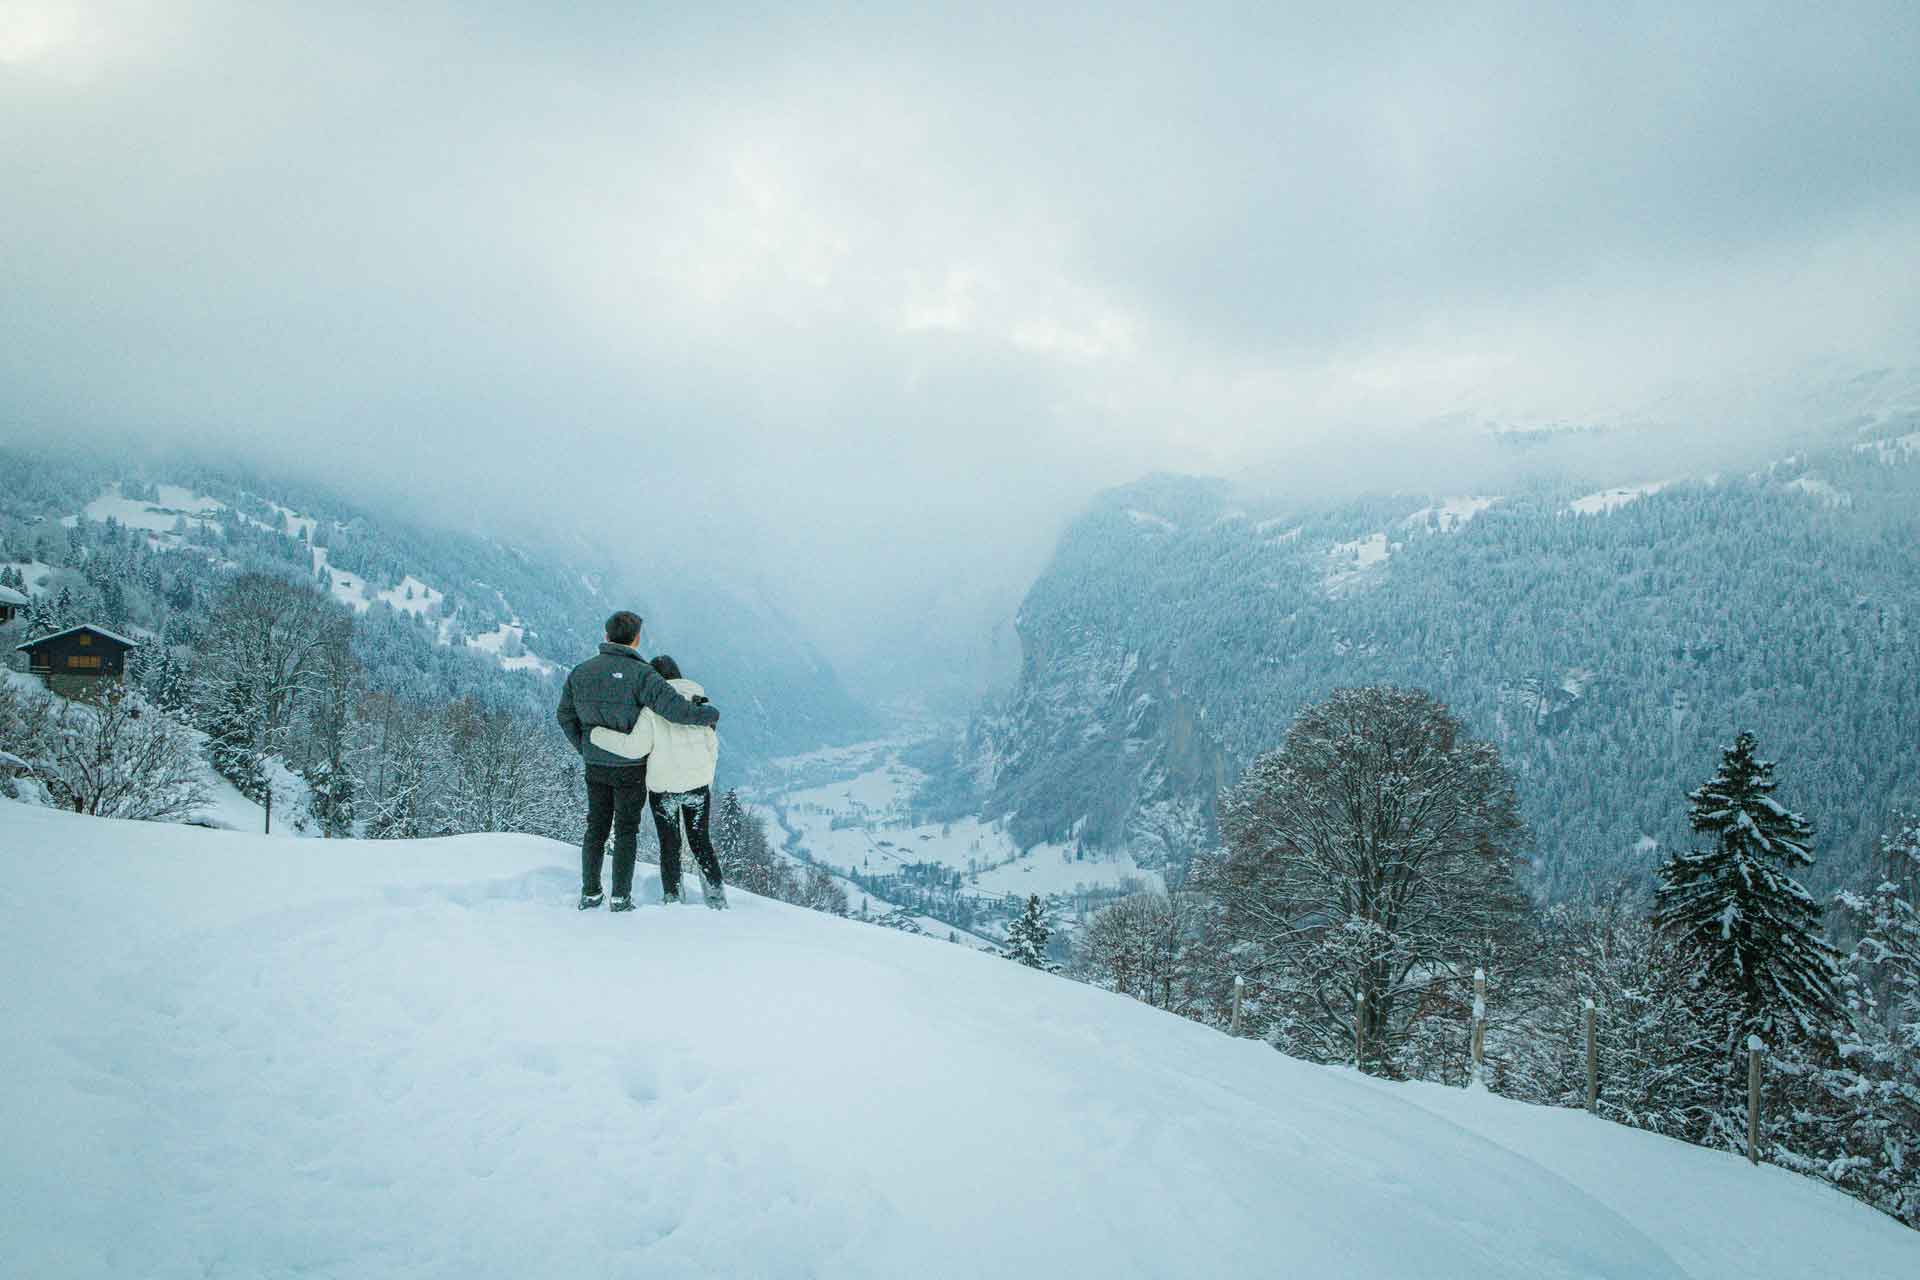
x=680, y=757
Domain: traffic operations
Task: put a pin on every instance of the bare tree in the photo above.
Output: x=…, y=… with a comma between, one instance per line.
x=820, y=892
x=115, y=757
x=1145, y=946
x=268, y=642
x=1370, y=863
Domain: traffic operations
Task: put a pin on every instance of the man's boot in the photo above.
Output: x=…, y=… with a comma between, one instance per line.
x=590, y=901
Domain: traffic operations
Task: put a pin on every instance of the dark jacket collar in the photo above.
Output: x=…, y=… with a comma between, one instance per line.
x=613, y=650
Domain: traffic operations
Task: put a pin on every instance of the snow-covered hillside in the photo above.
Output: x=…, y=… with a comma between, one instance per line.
x=174, y=512
x=417, y=1059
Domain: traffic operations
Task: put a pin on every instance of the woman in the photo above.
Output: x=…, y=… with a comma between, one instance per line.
x=680, y=764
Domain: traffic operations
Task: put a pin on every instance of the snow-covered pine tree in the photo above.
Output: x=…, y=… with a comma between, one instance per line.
x=225, y=713
x=43, y=618
x=1027, y=936
x=1735, y=913
x=1873, y=1116
x=170, y=687
x=728, y=829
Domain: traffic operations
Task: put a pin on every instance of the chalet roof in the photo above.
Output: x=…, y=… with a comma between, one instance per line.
x=9, y=596
x=85, y=626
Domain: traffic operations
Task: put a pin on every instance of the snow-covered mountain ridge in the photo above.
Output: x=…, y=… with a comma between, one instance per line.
x=171, y=514
x=1607, y=637
x=416, y=1058
x=449, y=614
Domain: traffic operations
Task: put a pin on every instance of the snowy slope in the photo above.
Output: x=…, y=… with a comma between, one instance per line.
x=180, y=507
x=418, y=1060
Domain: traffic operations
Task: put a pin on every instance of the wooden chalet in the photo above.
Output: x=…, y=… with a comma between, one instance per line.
x=12, y=605
x=83, y=653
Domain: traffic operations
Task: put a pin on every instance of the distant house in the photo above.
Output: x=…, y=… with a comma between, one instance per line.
x=12, y=603
x=81, y=653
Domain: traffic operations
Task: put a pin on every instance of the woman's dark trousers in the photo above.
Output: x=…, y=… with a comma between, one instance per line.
x=615, y=799
x=695, y=808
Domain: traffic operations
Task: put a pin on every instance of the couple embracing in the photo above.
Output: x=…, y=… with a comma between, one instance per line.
x=645, y=734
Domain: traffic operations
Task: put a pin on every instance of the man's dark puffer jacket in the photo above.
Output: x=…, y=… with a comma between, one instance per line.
x=609, y=689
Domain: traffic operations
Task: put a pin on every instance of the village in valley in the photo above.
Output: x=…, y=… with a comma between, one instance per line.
x=857, y=811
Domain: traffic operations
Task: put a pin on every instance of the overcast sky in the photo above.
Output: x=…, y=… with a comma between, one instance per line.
x=859, y=305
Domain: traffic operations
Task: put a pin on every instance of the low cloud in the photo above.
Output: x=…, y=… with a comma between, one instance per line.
x=843, y=306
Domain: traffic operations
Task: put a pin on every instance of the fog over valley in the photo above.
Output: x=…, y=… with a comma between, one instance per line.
x=855, y=314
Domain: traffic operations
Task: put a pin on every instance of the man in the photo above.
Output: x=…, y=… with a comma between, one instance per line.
x=609, y=689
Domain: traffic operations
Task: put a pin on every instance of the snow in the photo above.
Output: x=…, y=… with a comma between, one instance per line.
x=293, y=524
x=411, y=596
x=1348, y=561
x=1820, y=489
x=417, y=1059
x=1720, y=1217
x=1152, y=521
x=33, y=572
x=151, y=517
x=1266, y=527
x=1365, y=553
x=1898, y=449
x=228, y=810
x=511, y=635
x=1613, y=499
x=349, y=589
x=88, y=626
x=1449, y=515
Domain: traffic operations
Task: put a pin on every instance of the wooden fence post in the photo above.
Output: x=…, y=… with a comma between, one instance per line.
x=1360, y=1031
x=1239, y=987
x=269, y=830
x=1754, y=1049
x=1593, y=1061
x=1474, y=1080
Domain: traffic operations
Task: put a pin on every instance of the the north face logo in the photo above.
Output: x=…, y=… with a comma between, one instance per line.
x=619, y=675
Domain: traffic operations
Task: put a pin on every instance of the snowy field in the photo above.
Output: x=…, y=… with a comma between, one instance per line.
x=1597, y=504
x=417, y=1060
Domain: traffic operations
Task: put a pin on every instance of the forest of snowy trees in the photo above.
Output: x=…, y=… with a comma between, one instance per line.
x=1365, y=869
x=1373, y=863
x=250, y=671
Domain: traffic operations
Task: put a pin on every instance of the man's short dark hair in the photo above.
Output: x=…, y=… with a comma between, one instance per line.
x=623, y=627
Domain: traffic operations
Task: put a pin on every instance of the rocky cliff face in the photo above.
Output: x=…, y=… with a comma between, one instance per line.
x=1101, y=749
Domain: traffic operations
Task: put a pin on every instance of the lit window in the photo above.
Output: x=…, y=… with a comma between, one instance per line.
x=84, y=662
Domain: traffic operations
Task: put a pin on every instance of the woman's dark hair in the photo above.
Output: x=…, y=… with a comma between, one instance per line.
x=623, y=627
x=667, y=667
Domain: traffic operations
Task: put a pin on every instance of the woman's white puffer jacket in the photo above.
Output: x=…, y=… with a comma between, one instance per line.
x=680, y=757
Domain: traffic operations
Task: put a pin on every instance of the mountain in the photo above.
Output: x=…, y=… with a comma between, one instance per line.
x=444, y=613
x=1608, y=634
x=416, y=1058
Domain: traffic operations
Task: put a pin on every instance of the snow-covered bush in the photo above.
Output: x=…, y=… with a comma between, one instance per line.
x=115, y=756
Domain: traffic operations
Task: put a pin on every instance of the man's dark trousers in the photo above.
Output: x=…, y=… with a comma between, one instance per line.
x=615, y=800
